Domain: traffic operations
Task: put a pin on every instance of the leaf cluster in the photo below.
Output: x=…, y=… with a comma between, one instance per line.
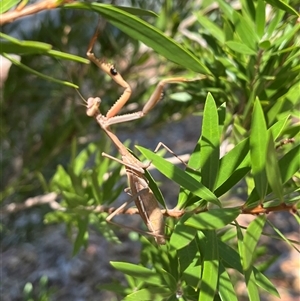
x=248, y=100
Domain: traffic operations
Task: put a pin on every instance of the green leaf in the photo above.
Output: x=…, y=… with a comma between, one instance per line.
x=82, y=235
x=225, y=287
x=258, y=149
x=272, y=170
x=188, y=256
x=73, y=199
x=52, y=79
x=226, y=9
x=146, y=33
x=252, y=286
x=155, y=189
x=211, y=27
x=230, y=256
x=236, y=158
x=284, y=6
x=245, y=30
x=282, y=236
x=169, y=280
x=15, y=46
x=148, y=294
x=194, y=163
x=213, y=219
x=182, y=236
x=29, y=45
x=138, y=272
x=61, y=180
x=67, y=56
x=7, y=4
x=250, y=240
x=179, y=176
x=192, y=276
x=262, y=281
x=266, y=44
x=153, y=185
x=210, y=273
x=260, y=18
x=240, y=48
x=80, y=161
x=210, y=143
x=249, y=275
x=181, y=97
x=289, y=164
x=137, y=11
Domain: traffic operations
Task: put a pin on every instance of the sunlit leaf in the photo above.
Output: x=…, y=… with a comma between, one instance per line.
x=150, y=294
x=138, y=272
x=260, y=18
x=225, y=287
x=272, y=169
x=258, y=149
x=179, y=176
x=251, y=238
x=210, y=275
x=210, y=143
x=284, y=6
x=146, y=33
x=213, y=218
x=7, y=4
x=240, y=48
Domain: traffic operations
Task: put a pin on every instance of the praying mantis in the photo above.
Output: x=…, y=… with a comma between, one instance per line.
x=139, y=189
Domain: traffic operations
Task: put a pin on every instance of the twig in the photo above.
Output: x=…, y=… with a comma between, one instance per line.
x=12, y=15
x=49, y=198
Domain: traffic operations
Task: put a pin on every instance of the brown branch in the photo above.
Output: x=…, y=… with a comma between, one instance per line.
x=50, y=199
x=260, y=209
x=20, y=12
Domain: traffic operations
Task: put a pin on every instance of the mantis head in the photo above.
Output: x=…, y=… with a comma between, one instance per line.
x=93, y=105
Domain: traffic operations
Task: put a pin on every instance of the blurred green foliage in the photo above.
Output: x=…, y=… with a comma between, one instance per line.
x=250, y=100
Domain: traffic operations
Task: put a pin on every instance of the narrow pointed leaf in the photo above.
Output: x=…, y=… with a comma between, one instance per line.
x=272, y=170
x=82, y=235
x=6, y=5
x=260, y=17
x=148, y=294
x=169, y=280
x=258, y=149
x=245, y=30
x=226, y=289
x=182, y=236
x=138, y=272
x=52, y=79
x=211, y=26
x=15, y=46
x=146, y=33
x=284, y=6
x=289, y=164
x=210, y=273
x=179, y=176
x=232, y=160
x=213, y=219
x=240, y=48
x=263, y=282
x=250, y=240
x=210, y=143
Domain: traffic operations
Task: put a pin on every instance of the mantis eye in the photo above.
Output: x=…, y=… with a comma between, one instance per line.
x=113, y=71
